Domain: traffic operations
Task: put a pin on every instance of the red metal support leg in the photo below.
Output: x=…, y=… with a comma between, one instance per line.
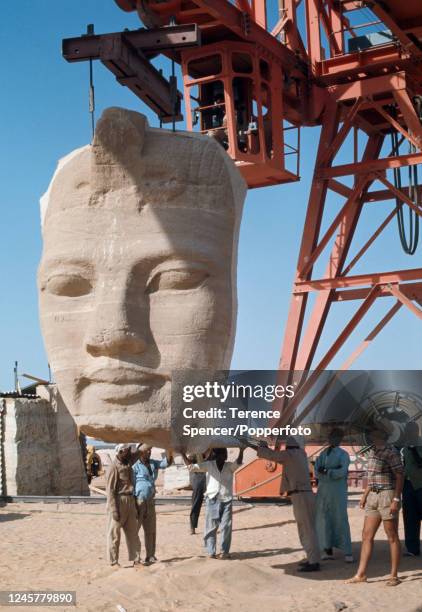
x=309, y=240
x=336, y=261
x=299, y=348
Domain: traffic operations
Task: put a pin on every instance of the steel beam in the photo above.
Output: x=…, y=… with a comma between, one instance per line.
x=232, y=18
x=327, y=24
x=396, y=291
x=242, y=5
x=123, y=54
x=400, y=195
x=259, y=11
x=382, y=195
x=408, y=44
x=343, y=132
x=396, y=125
x=355, y=354
x=287, y=24
x=347, y=225
x=411, y=290
x=313, y=32
x=408, y=110
x=336, y=286
x=369, y=242
x=313, y=220
x=381, y=278
x=338, y=24
x=371, y=336
x=377, y=165
x=351, y=203
x=339, y=188
x=326, y=360
x=94, y=46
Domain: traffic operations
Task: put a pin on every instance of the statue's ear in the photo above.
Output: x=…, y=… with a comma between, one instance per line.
x=117, y=148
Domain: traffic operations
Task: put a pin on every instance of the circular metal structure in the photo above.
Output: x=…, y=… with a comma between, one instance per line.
x=389, y=411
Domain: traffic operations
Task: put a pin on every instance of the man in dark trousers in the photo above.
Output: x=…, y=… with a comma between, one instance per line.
x=412, y=491
x=198, y=481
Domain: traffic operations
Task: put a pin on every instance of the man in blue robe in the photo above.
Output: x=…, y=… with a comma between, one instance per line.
x=332, y=523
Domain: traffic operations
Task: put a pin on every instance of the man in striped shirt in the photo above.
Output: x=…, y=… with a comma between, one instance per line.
x=381, y=501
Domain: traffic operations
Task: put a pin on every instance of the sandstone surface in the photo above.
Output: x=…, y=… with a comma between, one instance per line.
x=138, y=272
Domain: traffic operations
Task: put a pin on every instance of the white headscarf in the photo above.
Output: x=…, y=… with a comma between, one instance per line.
x=121, y=447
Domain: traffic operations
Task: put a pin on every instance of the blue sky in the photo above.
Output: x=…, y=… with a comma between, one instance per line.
x=44, y=116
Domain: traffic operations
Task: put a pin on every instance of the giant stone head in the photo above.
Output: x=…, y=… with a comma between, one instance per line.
x=138, y=272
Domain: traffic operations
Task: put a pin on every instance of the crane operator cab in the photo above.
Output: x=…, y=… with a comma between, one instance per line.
x=233, y=95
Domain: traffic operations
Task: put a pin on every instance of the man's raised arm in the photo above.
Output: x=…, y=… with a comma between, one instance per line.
x=264, y=452
x=194, y=467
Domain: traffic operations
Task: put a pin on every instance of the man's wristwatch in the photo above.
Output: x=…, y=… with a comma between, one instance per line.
x=396, y=499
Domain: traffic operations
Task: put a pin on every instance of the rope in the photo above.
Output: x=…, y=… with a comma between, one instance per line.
x=409, y=242
x=174, y=94
x=173, y=84
x=90, y=32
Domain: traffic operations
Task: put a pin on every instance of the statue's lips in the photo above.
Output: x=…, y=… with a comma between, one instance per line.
x=125, y=386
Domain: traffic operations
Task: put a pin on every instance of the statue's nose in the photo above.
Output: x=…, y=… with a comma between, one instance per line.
x=112, y=331
x=115, y=343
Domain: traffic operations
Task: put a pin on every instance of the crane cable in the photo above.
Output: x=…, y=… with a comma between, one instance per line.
x=91, y=90
x=91, y=98
x=173, y=83
x=409, y=243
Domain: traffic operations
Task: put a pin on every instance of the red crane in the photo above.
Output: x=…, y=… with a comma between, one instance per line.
x=251, y=88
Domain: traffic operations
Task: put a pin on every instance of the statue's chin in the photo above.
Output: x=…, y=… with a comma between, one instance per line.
x=117, y=413
x=155, y=436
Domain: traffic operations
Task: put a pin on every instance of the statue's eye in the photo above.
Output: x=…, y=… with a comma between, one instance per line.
x=176, y=280
x=69, y=285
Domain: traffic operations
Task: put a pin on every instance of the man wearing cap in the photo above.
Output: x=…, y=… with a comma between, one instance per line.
x=145, y=473
x=296, y=482
x=121, y=506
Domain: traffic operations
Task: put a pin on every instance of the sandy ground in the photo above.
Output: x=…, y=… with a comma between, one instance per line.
x=45, y=546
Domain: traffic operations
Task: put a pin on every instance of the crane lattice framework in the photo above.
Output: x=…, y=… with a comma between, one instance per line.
x=249, y=86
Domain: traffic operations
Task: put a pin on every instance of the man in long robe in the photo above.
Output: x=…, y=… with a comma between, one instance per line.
x=332, y=522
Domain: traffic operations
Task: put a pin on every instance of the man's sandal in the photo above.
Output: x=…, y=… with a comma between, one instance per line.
x=393, y=581
x=356, y=580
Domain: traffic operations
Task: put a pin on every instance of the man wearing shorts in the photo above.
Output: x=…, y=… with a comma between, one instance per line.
x=381, y=501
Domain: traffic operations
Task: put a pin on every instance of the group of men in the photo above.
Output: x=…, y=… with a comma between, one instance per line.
x=322, y=519
x=131, y=502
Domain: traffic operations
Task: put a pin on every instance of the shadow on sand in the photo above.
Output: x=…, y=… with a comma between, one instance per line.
x=12, y=516
x=280, y=524
x=173, y=559
x=378, y=570
x=238, y=556
x=266, y=552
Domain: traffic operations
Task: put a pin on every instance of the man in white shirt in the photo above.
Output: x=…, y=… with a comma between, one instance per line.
x=219, y=496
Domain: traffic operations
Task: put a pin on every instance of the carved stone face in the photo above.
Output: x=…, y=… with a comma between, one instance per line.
x=137, y=276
